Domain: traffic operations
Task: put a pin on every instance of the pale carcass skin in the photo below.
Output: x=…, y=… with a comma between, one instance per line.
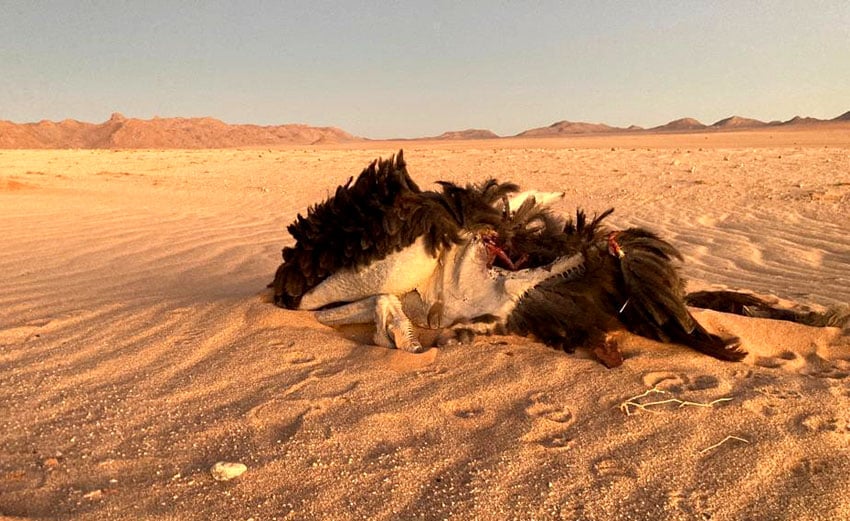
x=459, y=289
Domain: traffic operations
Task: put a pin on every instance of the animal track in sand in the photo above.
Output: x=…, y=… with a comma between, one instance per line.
x=830, y=372
x=468, y=412
x=769, y=362
x=675, y=383
x=277, y=421
x=573, y=509
x=811, y=468
x=818, y=423
x=319, y=384
x=295, y=357
x=559, y=440
x=774, y=362
x=818, y=367
x=811, y=365
x=543, y=406
x=701, y=382
x=761, y=407
x=550, y=422
x=692, y=503
x=463, y=408
x=613, y=468
x=779, y=394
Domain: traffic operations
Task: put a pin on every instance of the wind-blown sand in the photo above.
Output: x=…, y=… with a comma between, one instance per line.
x=138, y=347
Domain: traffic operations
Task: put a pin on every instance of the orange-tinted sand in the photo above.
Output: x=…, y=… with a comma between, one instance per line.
x=138, y=347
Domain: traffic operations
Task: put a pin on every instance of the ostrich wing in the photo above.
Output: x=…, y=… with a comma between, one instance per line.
x=381, y=213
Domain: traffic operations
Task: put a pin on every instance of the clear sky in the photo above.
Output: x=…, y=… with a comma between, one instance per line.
x=410, y=69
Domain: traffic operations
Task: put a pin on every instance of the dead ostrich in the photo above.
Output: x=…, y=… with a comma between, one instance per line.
x=487, y=258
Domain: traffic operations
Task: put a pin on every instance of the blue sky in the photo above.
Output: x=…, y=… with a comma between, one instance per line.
x=408, y=69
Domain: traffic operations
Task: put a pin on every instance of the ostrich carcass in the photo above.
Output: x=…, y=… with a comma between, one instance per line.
x=482, y=258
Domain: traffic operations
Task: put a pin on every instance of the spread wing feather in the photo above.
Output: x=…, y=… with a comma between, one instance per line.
x=379, y=213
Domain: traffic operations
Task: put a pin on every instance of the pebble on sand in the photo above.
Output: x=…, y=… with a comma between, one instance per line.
x=224, y=470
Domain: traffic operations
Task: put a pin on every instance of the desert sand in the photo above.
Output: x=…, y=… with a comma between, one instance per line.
x=138, y=346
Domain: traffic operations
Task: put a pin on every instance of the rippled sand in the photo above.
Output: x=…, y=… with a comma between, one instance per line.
x=138, y=347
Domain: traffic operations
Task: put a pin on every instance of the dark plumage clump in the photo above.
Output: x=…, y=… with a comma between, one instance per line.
x=380, y=213
x=629, y=281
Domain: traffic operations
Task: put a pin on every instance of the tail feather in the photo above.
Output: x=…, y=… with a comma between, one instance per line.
x=629, y=280
x=655, y=305
x=749, y=305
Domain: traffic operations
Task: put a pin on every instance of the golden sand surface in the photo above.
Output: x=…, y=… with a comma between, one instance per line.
x=138, y=347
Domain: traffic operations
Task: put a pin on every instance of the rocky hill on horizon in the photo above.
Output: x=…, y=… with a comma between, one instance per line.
x=470, y=133
x=121, y=132
x=562, y=128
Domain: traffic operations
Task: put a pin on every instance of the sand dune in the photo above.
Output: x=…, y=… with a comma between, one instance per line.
x=138, y=347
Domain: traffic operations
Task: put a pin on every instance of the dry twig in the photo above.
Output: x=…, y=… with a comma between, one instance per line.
x=630, y=402
x=721, y=442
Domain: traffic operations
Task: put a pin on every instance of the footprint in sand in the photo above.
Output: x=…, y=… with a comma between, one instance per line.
x=468, y=412
x=817, y=423
x=818, y=367
x=544, y=406
x=612, y=468
x=296, y=357
x=812, y=468
x=676, y=383
x=22, y=479
x=775, y=362
x=703, y=381
x=277, y=421
x=692, y=503
x=574, y=509
x=550, y=422
x=463, y=409
x=557, y=440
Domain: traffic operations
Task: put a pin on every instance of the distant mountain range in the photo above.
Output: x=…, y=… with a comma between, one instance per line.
x=121, y=132
x=562, y=128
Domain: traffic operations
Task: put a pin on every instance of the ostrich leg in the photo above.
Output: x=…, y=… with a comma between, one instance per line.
x=392, y=327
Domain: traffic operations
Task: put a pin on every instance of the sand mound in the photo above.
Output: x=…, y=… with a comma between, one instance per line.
x=138, y=348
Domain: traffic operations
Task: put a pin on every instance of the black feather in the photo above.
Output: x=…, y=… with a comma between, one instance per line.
x=379, y=213
x=639, y=289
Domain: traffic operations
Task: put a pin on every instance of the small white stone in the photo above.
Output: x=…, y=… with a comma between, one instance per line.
x=225, y=470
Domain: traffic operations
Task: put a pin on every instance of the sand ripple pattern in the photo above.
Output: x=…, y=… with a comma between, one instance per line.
x=138, y=347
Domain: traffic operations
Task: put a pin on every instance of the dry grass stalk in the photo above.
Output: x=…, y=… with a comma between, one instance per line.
x=630, y=402
x=721, y=442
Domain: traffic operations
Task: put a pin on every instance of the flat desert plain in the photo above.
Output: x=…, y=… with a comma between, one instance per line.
x=138, y=346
